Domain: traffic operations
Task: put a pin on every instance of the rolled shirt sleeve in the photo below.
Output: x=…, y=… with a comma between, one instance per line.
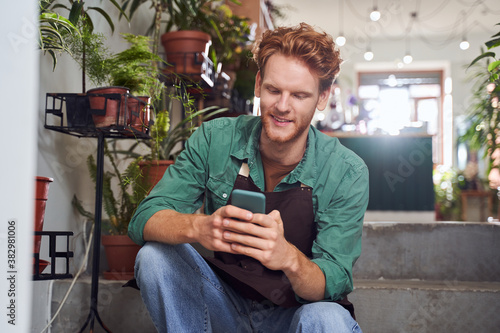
x=338, y=243
x=181, y=188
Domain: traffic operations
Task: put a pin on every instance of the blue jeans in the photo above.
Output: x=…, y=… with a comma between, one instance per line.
x=183, y=294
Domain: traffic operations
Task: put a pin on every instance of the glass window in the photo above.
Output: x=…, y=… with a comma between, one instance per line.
x=394, y=103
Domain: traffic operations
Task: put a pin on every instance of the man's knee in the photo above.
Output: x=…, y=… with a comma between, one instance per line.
x=323, y=317
x=152, y=260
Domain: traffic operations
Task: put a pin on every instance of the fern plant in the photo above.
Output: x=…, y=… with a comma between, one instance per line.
x=136, y=67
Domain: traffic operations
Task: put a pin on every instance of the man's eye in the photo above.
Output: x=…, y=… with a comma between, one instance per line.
x=273, y=91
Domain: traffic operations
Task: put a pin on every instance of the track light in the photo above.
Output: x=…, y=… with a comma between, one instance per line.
x=340, y=41
x=368, y=55
x=375, y=14
x=464, y=44
x=407, y=59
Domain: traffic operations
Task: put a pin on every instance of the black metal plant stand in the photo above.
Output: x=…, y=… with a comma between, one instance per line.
x=94, y=314
x=53, y=254
x=58, y=107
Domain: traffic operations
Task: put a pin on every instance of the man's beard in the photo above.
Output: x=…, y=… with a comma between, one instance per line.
x=298, y=129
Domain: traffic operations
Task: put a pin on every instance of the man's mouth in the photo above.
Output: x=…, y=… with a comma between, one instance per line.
x=279, y=120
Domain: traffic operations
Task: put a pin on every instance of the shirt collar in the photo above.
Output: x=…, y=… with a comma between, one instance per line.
x=249, y=149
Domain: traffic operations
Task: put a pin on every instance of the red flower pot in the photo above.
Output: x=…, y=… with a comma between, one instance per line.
x=139, y=112
x=107, y=110
x=183, y=50
x=120, y=252
x=41, y=196
x=153, y=171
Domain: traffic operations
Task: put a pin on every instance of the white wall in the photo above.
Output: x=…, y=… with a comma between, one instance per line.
x=18, y=91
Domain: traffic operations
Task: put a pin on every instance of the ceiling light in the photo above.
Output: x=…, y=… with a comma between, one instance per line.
x=340, y=41
x=375, y=15
x=464, y=44
x=408, y=59
x=368, y=55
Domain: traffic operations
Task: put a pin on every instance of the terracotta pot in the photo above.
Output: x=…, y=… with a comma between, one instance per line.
x=139, y=113
x=153, y=171
x=41, y=196
x=181, y=48
x=107, y=110
x=120, y=252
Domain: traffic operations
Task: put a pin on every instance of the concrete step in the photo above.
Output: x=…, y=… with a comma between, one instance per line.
x=411, y=277
x=120, y=309
x=400, y=306
x=382, y=306
x=442, y=251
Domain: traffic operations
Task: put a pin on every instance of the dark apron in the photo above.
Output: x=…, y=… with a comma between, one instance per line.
x=247, y=275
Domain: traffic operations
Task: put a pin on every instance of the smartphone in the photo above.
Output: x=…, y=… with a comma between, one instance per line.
x=252, y=201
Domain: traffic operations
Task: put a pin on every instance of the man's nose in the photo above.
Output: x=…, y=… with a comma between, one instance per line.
x=283, y=103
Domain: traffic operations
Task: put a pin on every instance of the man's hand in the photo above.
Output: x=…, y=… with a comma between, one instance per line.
x=235, y=230
x=210, y=230
x=261, y=237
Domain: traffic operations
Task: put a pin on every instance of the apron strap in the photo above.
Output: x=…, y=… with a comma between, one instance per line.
x=245, y=172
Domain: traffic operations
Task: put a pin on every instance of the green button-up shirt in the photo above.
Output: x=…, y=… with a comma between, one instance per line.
x=207, y=169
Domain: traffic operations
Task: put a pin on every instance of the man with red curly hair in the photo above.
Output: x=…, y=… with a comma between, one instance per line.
x=288, y=270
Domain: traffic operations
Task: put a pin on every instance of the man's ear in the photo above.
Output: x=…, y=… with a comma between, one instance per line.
x=323, y=99
x=258, y=82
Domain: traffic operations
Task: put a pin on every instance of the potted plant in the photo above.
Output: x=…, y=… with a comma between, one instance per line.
x=75, y=35
x=233, y=33
x=52, y=27
x=200, y=19
x=78, y=38
x=134, y=70
x=119, y=206
x=484, y=116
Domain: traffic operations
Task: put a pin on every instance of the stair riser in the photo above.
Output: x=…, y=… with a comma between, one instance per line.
x=430, y=251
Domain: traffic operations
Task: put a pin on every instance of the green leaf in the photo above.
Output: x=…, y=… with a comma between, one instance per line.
x=54, y=59
x=106, y=16
x=492, y=43
x=79, y=207
x=482, y=56
x=89, y=23
x=76, y=12
x=122, y=12
x=492, y=66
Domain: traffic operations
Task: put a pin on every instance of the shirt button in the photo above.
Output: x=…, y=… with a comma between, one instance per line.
x=224, y=195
